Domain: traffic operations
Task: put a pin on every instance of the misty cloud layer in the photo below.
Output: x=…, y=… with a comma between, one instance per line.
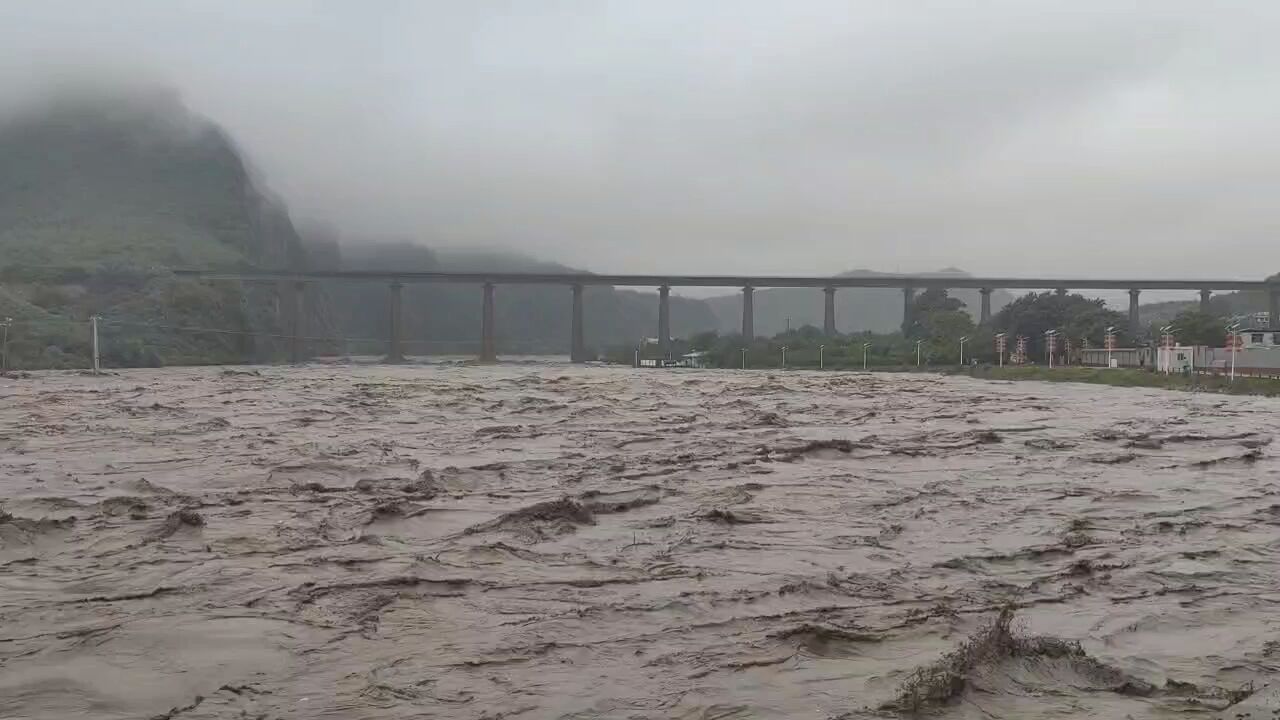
x=1007, y=137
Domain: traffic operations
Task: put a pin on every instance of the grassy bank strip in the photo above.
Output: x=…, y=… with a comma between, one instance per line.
x=1127, y=377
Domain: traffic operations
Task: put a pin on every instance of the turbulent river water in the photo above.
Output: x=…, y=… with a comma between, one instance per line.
x=547, y=541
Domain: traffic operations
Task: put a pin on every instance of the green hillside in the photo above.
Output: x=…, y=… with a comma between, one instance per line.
x=123, y=188
x=132, y=178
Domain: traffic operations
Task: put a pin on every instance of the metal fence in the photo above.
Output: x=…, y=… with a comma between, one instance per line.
x=1249, y=362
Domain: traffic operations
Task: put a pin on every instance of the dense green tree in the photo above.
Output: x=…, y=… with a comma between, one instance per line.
x=930, y=304
x=942, y=330
x=1193, y=327
x=1076, y=318
x=936, y=300
x=804, y=333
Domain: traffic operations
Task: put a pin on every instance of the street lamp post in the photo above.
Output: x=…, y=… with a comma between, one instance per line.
x=1001, y=339
x=1050, y=337
x=822, y=364
x=93, y=325
x=864, y=354
x=1233, y=345
x=1109, y=339
x=918, y=344
x=744, y=358
x=784, y=356
x=4, y=347
x=963, y=340
x=1166, y=345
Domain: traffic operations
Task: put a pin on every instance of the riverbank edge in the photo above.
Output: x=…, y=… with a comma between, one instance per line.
x=1125, y=377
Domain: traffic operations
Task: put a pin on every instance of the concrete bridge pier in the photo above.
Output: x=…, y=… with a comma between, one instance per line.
x=829, y=312
x=1204, y=300
x=577, y=341
x=297, y=322
x=908, y=301
x=748, y=314
x=488, y=347
x=395, y=351
x=1135, y=326
x=984, y=316
x=664, y=321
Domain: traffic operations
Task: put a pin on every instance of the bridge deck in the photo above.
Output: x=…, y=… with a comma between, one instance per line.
x=759, y=281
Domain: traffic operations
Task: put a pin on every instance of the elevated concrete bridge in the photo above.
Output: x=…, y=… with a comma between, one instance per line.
x=748, y=283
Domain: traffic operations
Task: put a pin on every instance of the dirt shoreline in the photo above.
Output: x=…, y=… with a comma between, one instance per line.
x=1129, y=377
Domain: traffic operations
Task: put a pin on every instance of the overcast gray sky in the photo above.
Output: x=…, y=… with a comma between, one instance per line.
x=784, y=136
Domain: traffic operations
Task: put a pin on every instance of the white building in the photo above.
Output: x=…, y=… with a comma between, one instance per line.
x=1176, y=359
x=1119, y=357
x=1258, y=337
x=695, y=359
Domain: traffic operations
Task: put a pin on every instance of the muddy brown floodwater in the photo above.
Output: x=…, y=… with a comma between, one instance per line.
x=545, y=541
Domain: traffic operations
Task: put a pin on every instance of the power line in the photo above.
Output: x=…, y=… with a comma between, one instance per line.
x=65, y=322
x=13, y=331
x=310, y=338
x=222, y=331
